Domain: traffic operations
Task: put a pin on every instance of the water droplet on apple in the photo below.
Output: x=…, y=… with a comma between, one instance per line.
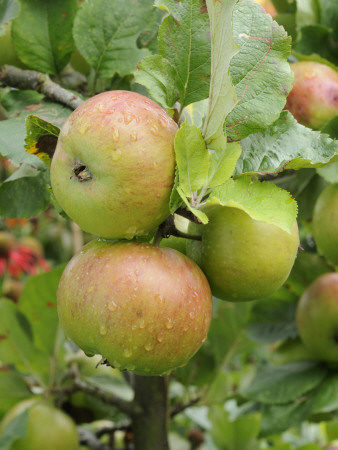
x=83, y=129
x=154, y=130
x=133, y=137
x=112, y=306
x=116, y=364
x=116, y=154
x=169, y=323
x=128, y=117
x=103, y=330
x=134, y=326
x=116, y=135
x=204, y=339
x=142, y=324
x=163, y=121
x=160, y=337
x=127, y=353
x=149, y=346
x=192, y=315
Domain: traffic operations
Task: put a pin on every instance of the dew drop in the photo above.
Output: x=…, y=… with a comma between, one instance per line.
x=116, y=135
x=149, y=346
x=128, y=117
x=116, y=154
x=83, y=129
x=192, y=315
x=133, y=137
x=103, y=330
x=127, y=353
x=142, y=324
x=116, y=364
x=169, y=323
x=160, y=337
x=204, y=339
x=154, y=130
x=133, y=327
x=112, y=306
x=163, y=122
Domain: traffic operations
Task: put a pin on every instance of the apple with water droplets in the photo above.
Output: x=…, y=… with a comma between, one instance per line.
x=114, y=164
x=317, y=317
x=313, y=100
x=143, y=307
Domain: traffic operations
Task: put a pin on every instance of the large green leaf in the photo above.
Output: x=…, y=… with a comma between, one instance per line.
x=38, y=303
x=183, y=41
x=12, y=389
x=261, y=200
x=106, y=31
x=286, y=145
x=282, y=384
x=259, y=71
x=42, y=34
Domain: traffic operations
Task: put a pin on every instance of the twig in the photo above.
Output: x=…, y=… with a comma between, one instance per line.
x=40, y=82
x=89, y=439
x=179, y=407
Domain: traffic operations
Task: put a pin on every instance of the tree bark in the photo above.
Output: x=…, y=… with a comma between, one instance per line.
x=150, y=428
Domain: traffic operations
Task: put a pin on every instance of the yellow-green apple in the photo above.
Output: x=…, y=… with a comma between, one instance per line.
x=142, y=307
x=317, y=317
x=325, y=223
x=47, y=427
x=113, y=167
x=313, y=100
x=242, y=258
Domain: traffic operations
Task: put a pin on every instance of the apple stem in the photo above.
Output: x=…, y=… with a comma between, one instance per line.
x=168, y=228
x=150, y=429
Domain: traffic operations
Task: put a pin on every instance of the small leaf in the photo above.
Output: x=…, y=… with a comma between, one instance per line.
x=203, y=218
x=42, y=34
x=286, y=145
x=41, y=138
x=192, y=158
x=183, y=40
x=15, y=429
x=13, y=388
x=286, y=383
x=106, y=31
x=222, y=164
x=158, y=75
x=261, y=200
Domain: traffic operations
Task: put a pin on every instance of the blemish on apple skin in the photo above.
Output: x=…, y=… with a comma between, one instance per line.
x=50, y=304
x=103, y=330
x=149, y=346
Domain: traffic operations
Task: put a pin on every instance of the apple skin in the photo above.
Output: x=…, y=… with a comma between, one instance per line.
x=268, y=6
x=243, y=259
x=317, y=317
x=313, y=100
x=325, y=223
x=47, y=427
x=113, y=167
x=142, y=307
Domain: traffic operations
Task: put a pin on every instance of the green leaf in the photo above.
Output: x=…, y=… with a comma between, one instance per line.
x=222, y=97
x=261, y=200
x=192, y=158
x=41, y=138
x=329, y=173
x=278, y=418
x=16, y=343
x=158, y=76
x=308, y=12
x=183, y=41
x=329, y=16
x=286, y=145
x=15, y=101
x=240, y=433
x=326, y=397
x=15, y=429
x=42, y=34
x=9, y=9
x=331, y=128
x=199, y=214
x=316, y=40
x=222, y=164
x=283, y=384
x=12, y=389
x=106, y=31
x=259, y=71
x=38, y=304
x=24, y=193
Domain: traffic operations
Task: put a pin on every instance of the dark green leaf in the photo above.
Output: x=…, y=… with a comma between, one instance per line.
x=283, y=384
x=326, y=397
x=317, y=39
x=12, y=389
x=42, y=34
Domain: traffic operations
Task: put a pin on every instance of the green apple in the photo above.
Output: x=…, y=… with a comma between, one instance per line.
x=47, y=427
x=317, y=317
x=325, y=223
x=114, y=165
x=142, y=307
x=313, y=100
x=242, y=258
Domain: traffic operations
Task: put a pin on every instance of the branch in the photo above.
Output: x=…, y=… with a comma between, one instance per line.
x=179, y=407
x=40, y=82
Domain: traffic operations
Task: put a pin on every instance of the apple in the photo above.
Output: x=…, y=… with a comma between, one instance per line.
x=114, y=164
x=242, y=258
x=325, y=223
x=317, y=317
x=142, y=307
x=268, y=6
x=47, y=427
x=313, y=100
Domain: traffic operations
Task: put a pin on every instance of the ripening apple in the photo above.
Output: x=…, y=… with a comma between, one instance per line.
x=242, y=258
x=47, y=427
x=325, y=223
x=317, y=317
x=313, y=100
x=268, y=6
x=142, y=307
x=113, y=167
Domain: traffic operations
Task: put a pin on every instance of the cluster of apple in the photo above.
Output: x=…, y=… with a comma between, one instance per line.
x=144, y=307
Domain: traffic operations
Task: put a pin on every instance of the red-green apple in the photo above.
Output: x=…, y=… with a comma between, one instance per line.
x=47, y=427
x=313, y=100
x=113, y=167
x=317, y=317
x=325, y=223
x=142, y=307
x=242, y=258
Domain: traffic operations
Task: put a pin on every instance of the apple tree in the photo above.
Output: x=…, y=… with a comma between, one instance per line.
x=169, y=237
